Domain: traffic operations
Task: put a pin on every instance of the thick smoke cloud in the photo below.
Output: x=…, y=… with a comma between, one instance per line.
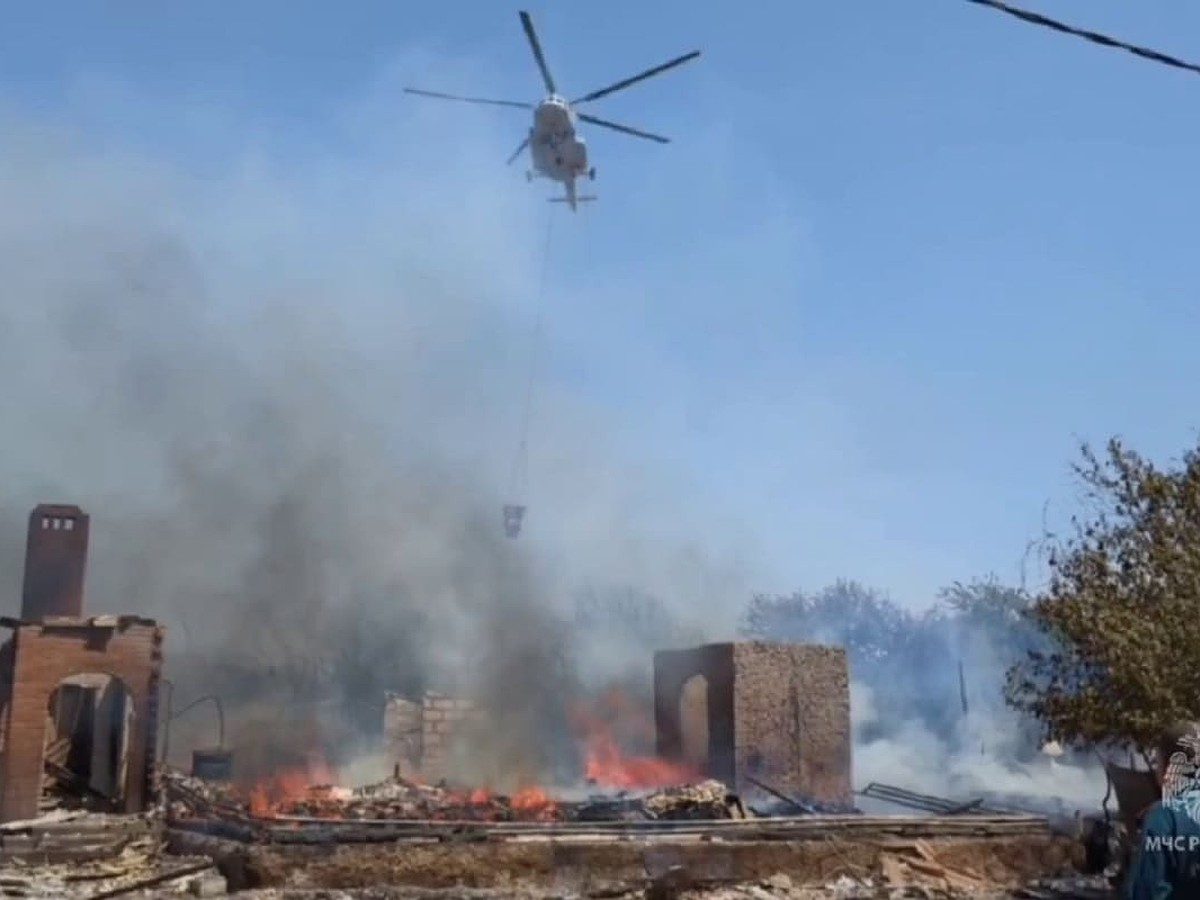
x=286, y=392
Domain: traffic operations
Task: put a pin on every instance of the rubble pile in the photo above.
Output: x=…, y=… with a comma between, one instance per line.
x=706, y=800
x=65, y=856
x=189, y=797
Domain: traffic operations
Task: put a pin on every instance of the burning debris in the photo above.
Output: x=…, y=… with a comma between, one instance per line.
x=401, y=799
x=707, y=801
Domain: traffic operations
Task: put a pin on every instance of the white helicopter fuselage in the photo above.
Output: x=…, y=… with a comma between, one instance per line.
x=556, y=150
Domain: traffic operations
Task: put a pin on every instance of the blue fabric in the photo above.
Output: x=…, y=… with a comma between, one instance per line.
x=1166, y=860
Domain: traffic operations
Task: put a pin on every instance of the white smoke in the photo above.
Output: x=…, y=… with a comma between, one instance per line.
x=981, y=758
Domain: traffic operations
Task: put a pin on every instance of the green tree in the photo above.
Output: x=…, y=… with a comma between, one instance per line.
x=989, y=618
x=866, y=622
x=1121, y=607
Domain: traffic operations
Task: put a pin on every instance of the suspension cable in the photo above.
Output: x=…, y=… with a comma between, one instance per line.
x=519, y=478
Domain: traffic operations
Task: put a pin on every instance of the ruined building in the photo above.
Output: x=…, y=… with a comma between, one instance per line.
x=78, y=694
x=778, y=713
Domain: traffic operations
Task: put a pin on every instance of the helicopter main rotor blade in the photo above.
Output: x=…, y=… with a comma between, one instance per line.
x=642, y=76
x=547, y=78
x=624, y=129
x=518, y=152
x=515, y=103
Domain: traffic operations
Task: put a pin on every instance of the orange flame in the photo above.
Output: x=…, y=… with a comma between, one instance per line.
x=607, y=729
x=531, y=799
x=270, y=795
x=616, y=721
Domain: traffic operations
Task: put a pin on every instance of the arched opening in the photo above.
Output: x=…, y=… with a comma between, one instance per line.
x=693, y=722
x=89, y=720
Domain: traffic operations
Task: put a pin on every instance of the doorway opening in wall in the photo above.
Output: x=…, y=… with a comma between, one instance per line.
x=89, y=719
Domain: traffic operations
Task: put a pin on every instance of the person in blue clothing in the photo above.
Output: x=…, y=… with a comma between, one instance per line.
x=1166, y=857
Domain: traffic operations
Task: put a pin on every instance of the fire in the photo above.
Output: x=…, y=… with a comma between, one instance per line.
x=605, y=765
x=614, y=722
x=531, y=799
x=529, y=803
x=609, y=731
x=291, y=784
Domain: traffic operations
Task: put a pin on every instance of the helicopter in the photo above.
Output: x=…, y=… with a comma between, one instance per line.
x=556, y=150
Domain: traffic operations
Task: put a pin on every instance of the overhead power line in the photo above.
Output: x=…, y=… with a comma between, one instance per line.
x=1093, y=36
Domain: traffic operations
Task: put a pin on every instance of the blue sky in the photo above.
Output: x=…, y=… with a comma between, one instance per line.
x=899, y=258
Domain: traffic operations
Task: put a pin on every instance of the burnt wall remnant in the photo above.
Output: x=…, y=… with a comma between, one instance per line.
x=774, y=711
x=421, y=734
x=78, y=695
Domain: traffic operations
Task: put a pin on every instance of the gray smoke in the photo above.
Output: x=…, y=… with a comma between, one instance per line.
x=289, y=389
x=288, y=394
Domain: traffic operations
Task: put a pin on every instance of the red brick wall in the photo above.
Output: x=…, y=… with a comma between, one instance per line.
x=127, y=648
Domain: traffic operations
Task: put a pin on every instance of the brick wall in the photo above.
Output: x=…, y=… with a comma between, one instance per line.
x=778, y=712
x=422, y=734
x=402, y=733
x=43, y=655
x=792, y=709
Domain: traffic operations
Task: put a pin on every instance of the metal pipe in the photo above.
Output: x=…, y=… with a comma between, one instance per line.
x=215, y=701
x=166, y=740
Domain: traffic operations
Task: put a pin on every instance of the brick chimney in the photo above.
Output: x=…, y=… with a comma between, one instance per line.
x=55, y=559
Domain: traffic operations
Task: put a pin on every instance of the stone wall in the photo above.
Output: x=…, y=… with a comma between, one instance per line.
x=772, y=711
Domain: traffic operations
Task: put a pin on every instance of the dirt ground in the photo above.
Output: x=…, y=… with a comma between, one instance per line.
x=778, y=888
x=981, y=869
x=587, y=868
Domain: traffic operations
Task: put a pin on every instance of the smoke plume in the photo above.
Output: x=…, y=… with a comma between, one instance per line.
x=288, y=387
x=288, y=392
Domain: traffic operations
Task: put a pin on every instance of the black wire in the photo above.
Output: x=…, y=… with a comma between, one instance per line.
x=1093, y=36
